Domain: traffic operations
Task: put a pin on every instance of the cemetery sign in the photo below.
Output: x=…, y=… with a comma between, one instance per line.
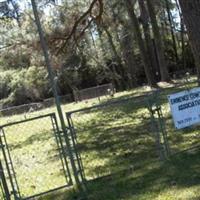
x=185, y=107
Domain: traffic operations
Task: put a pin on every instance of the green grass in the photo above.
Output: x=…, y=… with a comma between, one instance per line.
x=35, y=156
x=118, y=151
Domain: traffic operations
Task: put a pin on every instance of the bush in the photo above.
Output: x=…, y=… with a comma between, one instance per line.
x=36, y=83
x=24, y=86
x=18, y=88
x=15, y=60
x=5, y=79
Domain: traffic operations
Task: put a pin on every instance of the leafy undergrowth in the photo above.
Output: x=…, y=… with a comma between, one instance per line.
x=117, y=144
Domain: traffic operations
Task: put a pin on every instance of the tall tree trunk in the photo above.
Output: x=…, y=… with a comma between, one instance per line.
x=182, y=34
x=183, y=42
x=136, y=29
x=190, y=11
x=128, y=55
x=112, y=45
x=127, y=48
x=115, y=80
x=147, y=35
x=116, y=56
x=159, y=43
x=170, y=19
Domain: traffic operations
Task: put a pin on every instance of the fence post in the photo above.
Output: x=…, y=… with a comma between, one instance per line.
x=163, y=131
x=158, y=125
x=54, y=88
x=156, y=131
x=4, y=183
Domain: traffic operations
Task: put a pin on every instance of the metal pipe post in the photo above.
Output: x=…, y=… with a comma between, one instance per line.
x=54, y=88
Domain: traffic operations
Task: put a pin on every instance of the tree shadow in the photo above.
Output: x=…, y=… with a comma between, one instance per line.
x=121, y=138
x=120, y=133
x=180, y=172
x=120, y=144
x=36, y=137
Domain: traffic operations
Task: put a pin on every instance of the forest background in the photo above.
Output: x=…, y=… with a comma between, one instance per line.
x=91, y=42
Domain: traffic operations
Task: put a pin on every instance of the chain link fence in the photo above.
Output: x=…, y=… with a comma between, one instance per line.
x=80, y=95
x=32, y=107
x=33, y=157
x=94, y=92
x=115, y=136
x=128, y=133
x=179, y=140
x=4, y=192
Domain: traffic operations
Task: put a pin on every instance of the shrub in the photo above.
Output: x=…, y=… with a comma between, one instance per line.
x=36, y=82
x=5, y=79
x=24, y=86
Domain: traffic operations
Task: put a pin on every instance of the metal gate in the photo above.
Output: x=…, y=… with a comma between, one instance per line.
x=33, y=152
x=111, y=137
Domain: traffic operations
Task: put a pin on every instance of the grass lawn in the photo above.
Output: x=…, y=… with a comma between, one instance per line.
x=117, y=145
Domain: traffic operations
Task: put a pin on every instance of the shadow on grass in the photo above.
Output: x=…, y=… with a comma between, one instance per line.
x=120, y=135
x=130, y=155
x=180, y=172
x=115, y=138
x=37, y=137
x=118, y=141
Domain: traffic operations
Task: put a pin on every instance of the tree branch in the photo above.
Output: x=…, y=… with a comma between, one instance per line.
x=88, y=14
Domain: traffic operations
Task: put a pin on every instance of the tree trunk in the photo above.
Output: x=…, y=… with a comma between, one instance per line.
x=116, y=56
x=159, y=43
x=129, y=57
x=136, y=29
x=112, y=45
x=115, y=80
x=127, y=49
x=183, y=43
x=147, y=35
x=170, y=19
x=191, y=15
x=182, y=35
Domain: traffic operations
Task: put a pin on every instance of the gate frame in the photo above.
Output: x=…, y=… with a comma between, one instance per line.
x=158, y=124
x=157, y=110
x=3, y=184
x=63, y=154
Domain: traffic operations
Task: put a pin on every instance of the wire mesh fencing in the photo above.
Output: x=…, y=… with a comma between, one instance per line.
x=94, y=92
x=4, y=191
x=117, y=135
x=129, y=133
x=114, y=137
x=179, y=139
x=33, y=157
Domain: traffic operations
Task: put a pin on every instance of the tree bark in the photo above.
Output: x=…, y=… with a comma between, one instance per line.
x=115, y=80
x=129, y=57
x=127, y=48
x=116, y=56
x=191, y=15
x=170, y=19
x=158, y=42
x=147, y=35
x=136, y=29
x=182, y=34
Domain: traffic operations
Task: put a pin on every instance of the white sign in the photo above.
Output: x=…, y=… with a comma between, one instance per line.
x=185, y=107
